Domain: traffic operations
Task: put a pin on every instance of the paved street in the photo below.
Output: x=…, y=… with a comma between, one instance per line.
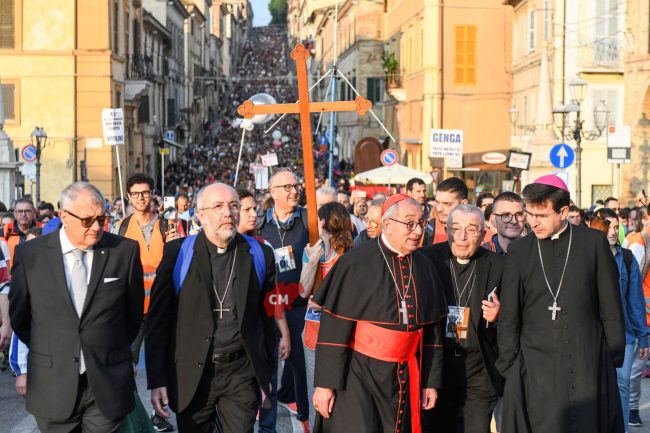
x=14, y=418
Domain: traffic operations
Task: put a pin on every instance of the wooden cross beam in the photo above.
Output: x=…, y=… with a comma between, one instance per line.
x=304, y=107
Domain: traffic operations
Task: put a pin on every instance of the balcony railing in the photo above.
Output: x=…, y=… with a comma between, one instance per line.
x=139, y=67
x=606, y=52
x=393, y=81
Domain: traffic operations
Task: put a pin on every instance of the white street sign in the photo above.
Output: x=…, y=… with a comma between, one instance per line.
x=619, y=144
x=113, y=126
x=447, y=143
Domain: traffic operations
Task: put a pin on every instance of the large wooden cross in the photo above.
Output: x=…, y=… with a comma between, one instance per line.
x=304, y=107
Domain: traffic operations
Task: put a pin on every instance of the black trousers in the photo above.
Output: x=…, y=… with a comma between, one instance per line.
x=86, y=416
x=467, y=400
x=232, y=387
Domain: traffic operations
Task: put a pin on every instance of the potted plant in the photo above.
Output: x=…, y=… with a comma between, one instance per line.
x=391, y=68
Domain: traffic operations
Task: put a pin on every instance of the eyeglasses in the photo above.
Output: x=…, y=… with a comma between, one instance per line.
x=140, y=194
x=374, y=224
x=411, y=225
x=539, y=216
x=469, y=231
x=23, y=211
x=219, y=208
x=507, y=217
x=87, y=222
x=289, y=186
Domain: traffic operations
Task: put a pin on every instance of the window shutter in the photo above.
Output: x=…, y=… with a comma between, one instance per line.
x=7, y=29
x=8, y=98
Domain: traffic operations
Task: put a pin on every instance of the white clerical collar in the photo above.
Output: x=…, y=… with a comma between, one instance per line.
x=390, y=247
x=462, y=261
x=557, y=235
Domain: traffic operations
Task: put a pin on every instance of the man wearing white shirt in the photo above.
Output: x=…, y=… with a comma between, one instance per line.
x=76, y=301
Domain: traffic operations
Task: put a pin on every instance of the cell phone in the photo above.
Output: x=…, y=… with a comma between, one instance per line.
x=490, y=297
x=169, y=202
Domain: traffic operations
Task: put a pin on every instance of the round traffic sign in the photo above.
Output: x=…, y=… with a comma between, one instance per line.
x=388, y=157
x=562, y=156
x=29, y=153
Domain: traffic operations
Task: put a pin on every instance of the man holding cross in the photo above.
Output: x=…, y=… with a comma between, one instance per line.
x=561, y=327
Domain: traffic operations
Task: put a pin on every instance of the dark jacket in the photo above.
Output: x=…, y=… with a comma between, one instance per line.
x=179, y=330
x=44, y=318
x=489, y=268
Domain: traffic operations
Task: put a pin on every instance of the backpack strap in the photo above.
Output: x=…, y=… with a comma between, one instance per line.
x=259, y=262
x=124, y=225
x=627, y=260
x=183, y=262
x=429, y=232
x=303, y=217
x=163, y=226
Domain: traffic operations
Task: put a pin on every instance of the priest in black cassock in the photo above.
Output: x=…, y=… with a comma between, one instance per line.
x=471, y=277
x=381, y=304
x=561, y=328
x=210, y=345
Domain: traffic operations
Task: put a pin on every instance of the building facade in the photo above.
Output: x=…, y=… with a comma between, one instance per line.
x=450, y=70
x=637, y=103
x=555, y=41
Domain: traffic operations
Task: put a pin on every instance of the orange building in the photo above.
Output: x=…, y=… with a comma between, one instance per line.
x=453, y=72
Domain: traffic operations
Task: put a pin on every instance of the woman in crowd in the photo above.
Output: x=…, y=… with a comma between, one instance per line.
x=335, y=240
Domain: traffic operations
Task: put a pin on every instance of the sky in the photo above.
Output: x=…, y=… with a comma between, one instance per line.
x=261, y=11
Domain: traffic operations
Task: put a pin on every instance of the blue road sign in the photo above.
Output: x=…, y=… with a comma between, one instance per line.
x=388, y=157
x=562, y=156
x=170, y=135
x=29, y=153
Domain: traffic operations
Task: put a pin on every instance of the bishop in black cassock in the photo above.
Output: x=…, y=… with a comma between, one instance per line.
x=381, y=304
x=561, y=328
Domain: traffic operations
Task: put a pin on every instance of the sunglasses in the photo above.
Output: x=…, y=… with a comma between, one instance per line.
x=87, y=222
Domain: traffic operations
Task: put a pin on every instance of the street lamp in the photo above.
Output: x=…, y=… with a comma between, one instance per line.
x=513, y=112
x=40, y=136
x=564, y=119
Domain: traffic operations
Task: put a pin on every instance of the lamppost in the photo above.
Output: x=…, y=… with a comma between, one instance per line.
x=564, y=118
x=40, y=136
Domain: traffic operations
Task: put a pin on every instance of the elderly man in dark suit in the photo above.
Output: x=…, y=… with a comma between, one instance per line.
x=76, y=300
x=471, y=276
x=209, y=342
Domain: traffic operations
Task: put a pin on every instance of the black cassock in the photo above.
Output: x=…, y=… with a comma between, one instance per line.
x=372, y=396
x=560, y=374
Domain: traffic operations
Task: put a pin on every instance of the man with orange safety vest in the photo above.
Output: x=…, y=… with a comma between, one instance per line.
x=151, y=232
x=15, y=232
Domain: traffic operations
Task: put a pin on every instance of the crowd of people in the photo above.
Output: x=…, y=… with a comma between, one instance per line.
x=411, y=313
x=463, y=309
x=266, y=67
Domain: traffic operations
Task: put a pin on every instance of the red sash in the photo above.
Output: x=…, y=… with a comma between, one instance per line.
x=393, y=346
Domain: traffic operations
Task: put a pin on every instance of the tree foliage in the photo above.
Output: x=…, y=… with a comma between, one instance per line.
x=278, y=9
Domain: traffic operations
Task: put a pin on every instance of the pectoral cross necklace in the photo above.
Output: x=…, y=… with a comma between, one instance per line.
x=554, y=308
x=221, y=300
x=400, y=293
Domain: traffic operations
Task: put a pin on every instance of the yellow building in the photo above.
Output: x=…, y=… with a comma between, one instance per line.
x=555, y=41
x=637, y=102
x=454, y=73
x=59, y=70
